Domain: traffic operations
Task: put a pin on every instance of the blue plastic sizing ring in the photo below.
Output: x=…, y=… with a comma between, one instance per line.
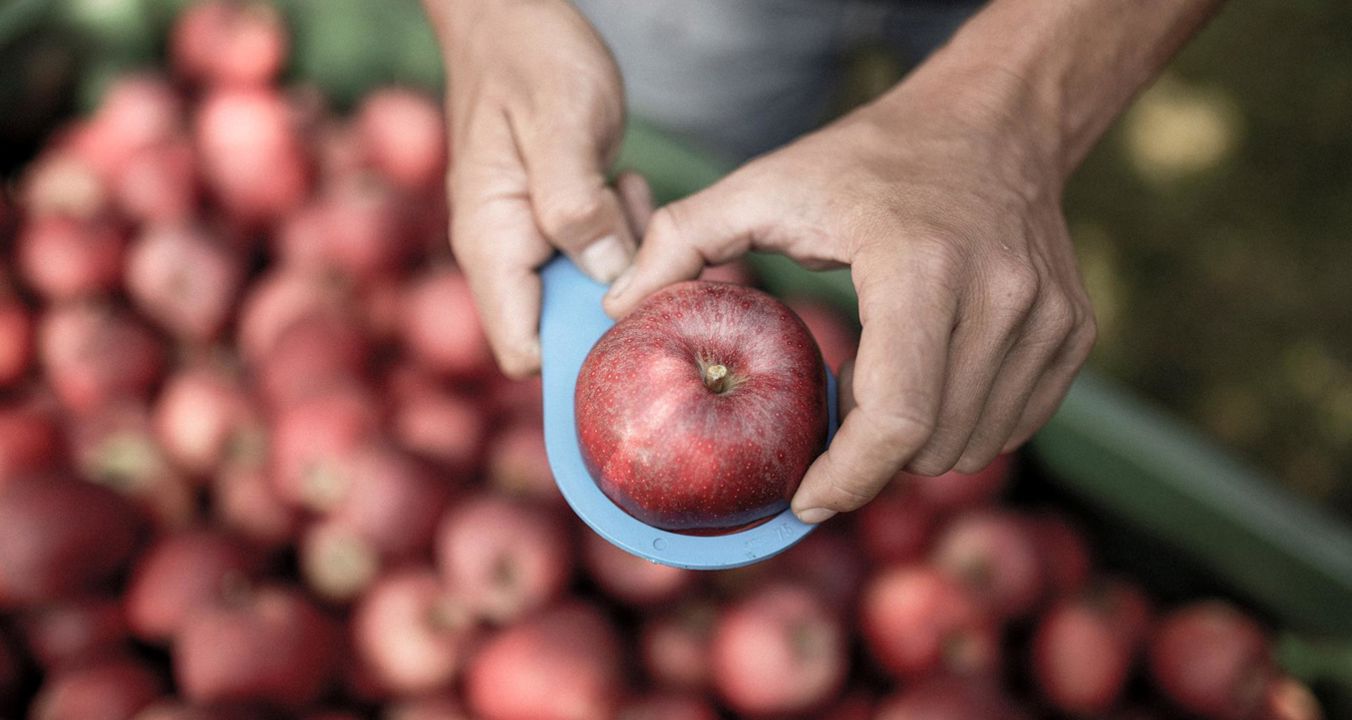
x=571, y=321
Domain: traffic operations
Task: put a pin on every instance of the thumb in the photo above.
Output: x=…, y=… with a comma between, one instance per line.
x=708, y=228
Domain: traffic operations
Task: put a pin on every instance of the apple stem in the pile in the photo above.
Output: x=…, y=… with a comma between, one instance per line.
x=716, y=378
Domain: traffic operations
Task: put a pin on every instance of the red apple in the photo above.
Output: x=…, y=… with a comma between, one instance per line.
x=64, y=259
x=270, y=645
x=185, y=279
x=1211, y=659
x=312, y=444
x=111, y=689
x=59, y=537
x=857, y=705
x=276, y=301
x=316, y=353
x=1066, y=559
x=668, y=707
x=404, y=137
x=95, y=354
x=896, y=526
x=31, y=441
x=518, y=465
x=731, y=412
x=16, y=340
x=441, y=325
x=835, y=334
x=244, y=501
x=947, y=699
x=631, y=579
x=1129, y=609
x=918, y=622
x=779, y=651
x=64, y=183
x=427, y=707
x=182, y=574
x=562, y=664
x=828, y=563
x=1080, y=659
x=439, y=425
x=203, y=416
x=337, y=562
x=179, y=710
x=158, y=184
x=252, y=156
x=69, y=633
x=504, y=558
x=115, y=446
x=995, y=555
x=233, y=43
x=674, y=646
x=393, y=501
x=954, y=491
x=137, y=111
x=1287, y=698
x=411, y=633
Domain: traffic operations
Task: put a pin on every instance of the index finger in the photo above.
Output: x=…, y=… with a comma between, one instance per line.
x=908, y=318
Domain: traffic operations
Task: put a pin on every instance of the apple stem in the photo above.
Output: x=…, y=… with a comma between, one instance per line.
x=716, y=378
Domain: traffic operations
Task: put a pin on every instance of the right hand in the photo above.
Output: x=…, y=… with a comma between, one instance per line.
x=536, y=109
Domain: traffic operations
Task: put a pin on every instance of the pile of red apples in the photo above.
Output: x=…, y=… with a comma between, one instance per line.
x=256, y=462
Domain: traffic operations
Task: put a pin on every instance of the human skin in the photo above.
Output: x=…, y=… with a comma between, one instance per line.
x=942, y=196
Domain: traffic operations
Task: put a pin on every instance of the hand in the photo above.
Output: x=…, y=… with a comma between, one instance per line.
x=536, y=113
x=947, y=212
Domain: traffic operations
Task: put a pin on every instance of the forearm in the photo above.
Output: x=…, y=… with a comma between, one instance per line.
x=1068, y=67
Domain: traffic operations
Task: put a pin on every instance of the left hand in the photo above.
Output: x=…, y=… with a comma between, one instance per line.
x=946, y=208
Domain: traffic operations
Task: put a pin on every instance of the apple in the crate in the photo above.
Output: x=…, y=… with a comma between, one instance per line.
x=1211, y=659
x=668, y=706
x=16, y=338
x=244, y=501
x=504, y=558
x=116, y=688
x=948, y=699
x=230, y=43
x=1081, y=660
x=779, y=651
x=181, y=574
x=1066, y=558
x=71, y=632
x=403, y=135
x=441, y=326
x=336, y=562
x=896, y=526
x=702, y=410
x=268, y=645
x=631, y=579
x=994, y=553
x=159, y=183
x=203, y=416
x=60, y=536
x=674, y=646
x=412, y=633
x=562, y=664
x=65, y=259
x=184, y=278
x=917, y=622
x=95, y=353
x=30, y=439
x=253, y=158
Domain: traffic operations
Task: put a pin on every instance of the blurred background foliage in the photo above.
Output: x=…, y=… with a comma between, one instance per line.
x=1214, y=222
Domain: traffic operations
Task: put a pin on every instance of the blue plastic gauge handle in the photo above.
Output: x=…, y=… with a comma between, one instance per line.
x=571, y=321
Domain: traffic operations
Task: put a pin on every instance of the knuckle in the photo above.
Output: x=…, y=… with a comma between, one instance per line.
x=930, y=465
x=1057, y=317
x=561, y=214
x=1015, y=285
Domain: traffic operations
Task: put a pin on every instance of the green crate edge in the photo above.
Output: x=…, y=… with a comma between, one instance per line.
x=1123, y=456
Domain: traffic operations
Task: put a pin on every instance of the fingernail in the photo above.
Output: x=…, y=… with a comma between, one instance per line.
x=604, y=259
x=814, y=516
x=621, y=282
